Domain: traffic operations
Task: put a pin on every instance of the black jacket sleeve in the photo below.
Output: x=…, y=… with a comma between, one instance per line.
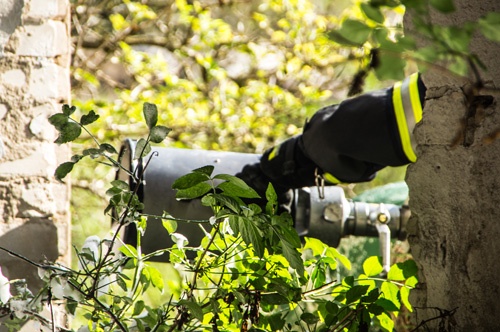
x=351, y=141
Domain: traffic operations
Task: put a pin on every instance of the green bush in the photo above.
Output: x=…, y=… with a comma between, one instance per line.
x=251, y=271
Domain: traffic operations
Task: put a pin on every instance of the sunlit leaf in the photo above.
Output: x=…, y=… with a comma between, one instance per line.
x=489, y=26
x=390, y=293
x=170, y=225
x=372, y=266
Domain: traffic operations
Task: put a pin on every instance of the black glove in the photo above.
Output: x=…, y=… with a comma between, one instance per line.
x=254, y=176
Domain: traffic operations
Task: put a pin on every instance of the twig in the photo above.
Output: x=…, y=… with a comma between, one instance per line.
x=443, y=313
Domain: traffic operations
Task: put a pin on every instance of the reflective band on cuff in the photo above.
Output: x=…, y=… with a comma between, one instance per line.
x=408, y=112
x=273, y=153
x=330, y=178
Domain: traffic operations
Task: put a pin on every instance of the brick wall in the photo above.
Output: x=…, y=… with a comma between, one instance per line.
x=34, y=83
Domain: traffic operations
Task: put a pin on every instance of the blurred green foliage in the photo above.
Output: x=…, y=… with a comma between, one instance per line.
x=241, y=75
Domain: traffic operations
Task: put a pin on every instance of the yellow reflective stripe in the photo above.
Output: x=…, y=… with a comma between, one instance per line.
x=399, y=112
x=330, y=178
x=273, y=153
x=415, y=98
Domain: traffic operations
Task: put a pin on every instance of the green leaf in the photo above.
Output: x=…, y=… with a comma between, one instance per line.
x=158, y=133
x=108, y=148
x=150, y=114
x=490, y=26
x=193, y=192
x=444, y=6
x=68, y=110
x=386, y=321
x=92, y=152
x=317, y=247
x=391, y=66
x=271, y=195
x=63, y=170
x=387, y=304
x=194, y=309
x=89, y=118
x=170, y=225
x=349, y=281
x=372, y=296
x=128, y=251
x=355, y=31
x=207, y=170
x=274, y=299
x=251, y=234
x=391, y=293
x=404, y=293
x=228, y=202
x=355, y=293
x=288, y=234
x=309, y=318
x=142, y=149
x=373, y=13
x=120, y=184
x=68, y=132
x=402, y=271
x=156, y=277
x=189, y=180
x=58, y=120
x=332, y=252
x=372, y=266
x=337, y=37
x=234, y=186
x=71, y=306
x=138, y=308
x=293, y=257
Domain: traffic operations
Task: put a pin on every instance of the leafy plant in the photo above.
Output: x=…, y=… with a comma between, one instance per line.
x=250, y=272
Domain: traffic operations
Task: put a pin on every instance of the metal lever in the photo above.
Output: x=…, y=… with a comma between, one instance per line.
x=381, y=219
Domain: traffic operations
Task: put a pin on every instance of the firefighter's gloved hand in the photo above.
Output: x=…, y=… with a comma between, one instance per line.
x=253, y=176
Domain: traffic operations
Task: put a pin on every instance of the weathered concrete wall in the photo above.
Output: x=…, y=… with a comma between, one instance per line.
x=34, y=82
x=454, y=232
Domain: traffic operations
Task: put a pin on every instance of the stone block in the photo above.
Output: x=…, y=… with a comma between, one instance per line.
x=39, y=125
x=3, y=111
x=14, y=78
x=45, y=40
x=42, y=9
x=39, y=163
x=49, y=82
x=36, y=201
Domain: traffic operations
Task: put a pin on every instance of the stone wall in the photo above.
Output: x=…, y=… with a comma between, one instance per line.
x=454, y=231
x=34, y=83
